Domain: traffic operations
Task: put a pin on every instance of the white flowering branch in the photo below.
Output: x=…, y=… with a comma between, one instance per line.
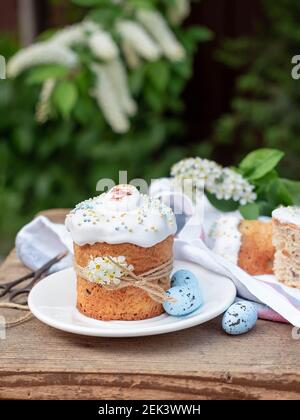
x=223, y=183
x=148, y=38
x=43, y=108
x=136, y=36
x=108, y=100
x=179, y=11
x=158, y=28
x=119, y=78
x=131, y=57
x=41, y=53
x=69, y=36
x=103, y=46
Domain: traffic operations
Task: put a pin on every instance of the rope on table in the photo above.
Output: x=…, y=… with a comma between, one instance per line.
x=22, y=319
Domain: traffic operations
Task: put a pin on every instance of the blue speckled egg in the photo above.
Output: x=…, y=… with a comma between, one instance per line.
x=184, y=278
x=186, y=300
x=239, y=318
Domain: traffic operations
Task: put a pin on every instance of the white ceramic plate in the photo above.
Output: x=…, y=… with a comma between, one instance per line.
x=53, y=300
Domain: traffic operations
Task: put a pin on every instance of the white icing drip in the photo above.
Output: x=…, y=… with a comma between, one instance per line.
x=287, y=215
x=228, y=238
x=122, y=215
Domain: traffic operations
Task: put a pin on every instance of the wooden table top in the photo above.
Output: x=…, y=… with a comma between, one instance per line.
x=37, y=361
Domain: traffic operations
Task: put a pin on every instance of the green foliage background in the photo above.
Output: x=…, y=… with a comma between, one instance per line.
x=265, y=109
x=59, y=163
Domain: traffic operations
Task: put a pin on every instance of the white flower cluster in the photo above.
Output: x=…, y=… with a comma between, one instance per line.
x=43, y=107
x=108, y=100
x=103, y=46
x=102, y=270
x=158, y=28
x=179, y=10
x=148, y=38
x=224, y=183
x=140, y=41
x=41, y=53
x=70, y=35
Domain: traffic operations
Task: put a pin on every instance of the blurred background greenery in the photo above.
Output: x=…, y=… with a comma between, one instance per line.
x=232, y=93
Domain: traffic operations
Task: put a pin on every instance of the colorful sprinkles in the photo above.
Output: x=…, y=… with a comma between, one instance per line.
x=148, y=204
x=101, y=219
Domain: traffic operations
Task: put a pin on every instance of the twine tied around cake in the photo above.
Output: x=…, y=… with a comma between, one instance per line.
x=147, y=281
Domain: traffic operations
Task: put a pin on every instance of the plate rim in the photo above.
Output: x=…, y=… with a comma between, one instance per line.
x=94, y=331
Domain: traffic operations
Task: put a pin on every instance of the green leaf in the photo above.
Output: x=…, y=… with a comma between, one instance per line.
x=265, y=208
x=260, y=162
x=106, y=16
x=278, y=194
x=159, y=75
x=250, y=211
x=137, y=80
x=40, y=74
x=225, y=129
x=222, y=205
x=90, y=3
x=84, y=110
x=65, y=97
x=199, y=33
x=141, y=4
x=266, y=179
x=154, y=100
x=46, y=35
x=293, y=188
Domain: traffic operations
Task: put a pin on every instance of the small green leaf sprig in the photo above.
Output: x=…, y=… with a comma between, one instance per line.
x=254, y=187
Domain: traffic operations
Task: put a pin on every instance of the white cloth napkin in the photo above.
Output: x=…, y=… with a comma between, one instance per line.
x=41, y=240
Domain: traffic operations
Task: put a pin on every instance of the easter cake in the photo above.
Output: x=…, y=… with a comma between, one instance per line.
x=123, y=254
x=246, y=243
x=286, y=239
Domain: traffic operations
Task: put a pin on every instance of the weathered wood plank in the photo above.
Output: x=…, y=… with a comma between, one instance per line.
x=37, y=361
x=142, y=386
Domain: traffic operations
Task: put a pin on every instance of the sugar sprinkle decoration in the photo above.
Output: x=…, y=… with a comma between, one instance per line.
x=87, y=210
x=116, y=217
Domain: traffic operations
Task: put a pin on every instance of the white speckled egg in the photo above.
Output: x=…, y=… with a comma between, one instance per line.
x=240, y=318
x=186, y=300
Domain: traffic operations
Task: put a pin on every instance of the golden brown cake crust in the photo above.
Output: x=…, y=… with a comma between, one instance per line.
x=129, y=303
x=256, y=254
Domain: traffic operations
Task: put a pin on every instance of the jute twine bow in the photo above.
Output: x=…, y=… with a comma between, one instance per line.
x=147, y=281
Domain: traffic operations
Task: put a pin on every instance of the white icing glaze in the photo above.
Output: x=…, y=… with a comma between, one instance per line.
x=228, y=238
x=287, y=215
x=122, y=215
